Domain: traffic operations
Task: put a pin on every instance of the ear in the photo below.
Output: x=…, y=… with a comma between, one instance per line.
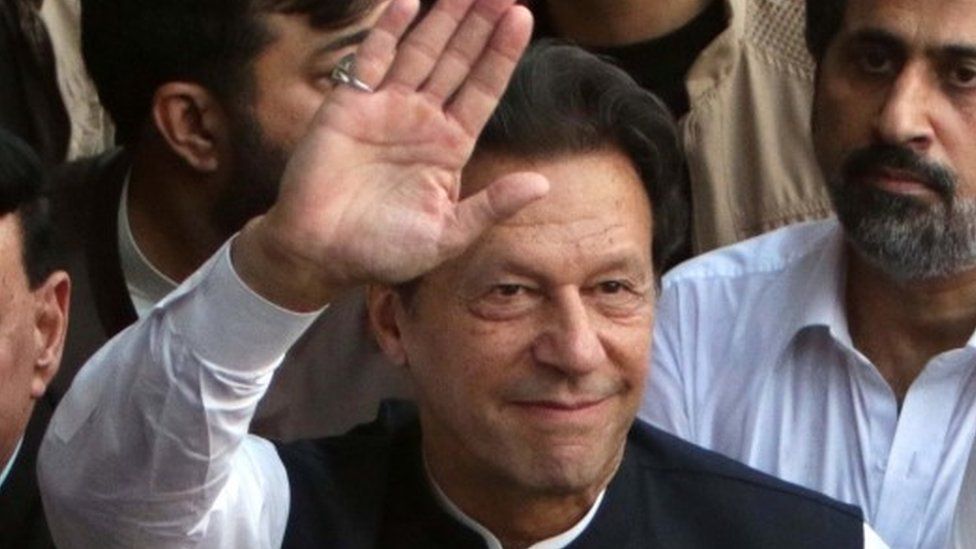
x=385, y=309
x=192, y=122
x=50, y=327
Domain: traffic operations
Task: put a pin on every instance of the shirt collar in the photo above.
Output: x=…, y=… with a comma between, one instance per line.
x=555, y=542
x=10, y=464
x=820, y=288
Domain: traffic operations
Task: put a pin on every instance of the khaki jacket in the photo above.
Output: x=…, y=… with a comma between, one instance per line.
x=747, y=134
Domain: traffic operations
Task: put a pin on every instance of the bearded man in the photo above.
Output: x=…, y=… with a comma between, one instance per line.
x=841, y=354
x=209, y=98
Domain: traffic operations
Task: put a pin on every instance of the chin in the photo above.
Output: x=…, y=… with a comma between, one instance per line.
x=561, y=471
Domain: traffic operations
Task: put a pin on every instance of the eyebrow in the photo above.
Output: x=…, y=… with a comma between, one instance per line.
x=877, y=36
x=891, y=40
x=959, y=50
x=517, y=267
x=343, y=41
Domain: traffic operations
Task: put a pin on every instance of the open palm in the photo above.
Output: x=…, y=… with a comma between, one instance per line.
x=372, y=193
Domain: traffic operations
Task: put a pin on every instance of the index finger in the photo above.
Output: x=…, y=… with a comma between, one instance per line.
x=483, y=88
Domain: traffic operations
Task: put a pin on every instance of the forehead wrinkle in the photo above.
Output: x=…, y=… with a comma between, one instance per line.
x=597, y=250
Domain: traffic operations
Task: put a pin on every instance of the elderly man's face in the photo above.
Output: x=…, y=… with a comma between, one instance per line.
x=529, y=352
x=32, y=326
x=895, y=131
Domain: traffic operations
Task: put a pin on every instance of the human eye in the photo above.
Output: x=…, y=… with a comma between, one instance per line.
x=961, y=75
x=612, y=287
x=323, y=65
x=875, y=59
x=618, y=295
x=506, y=300
x=507, y=291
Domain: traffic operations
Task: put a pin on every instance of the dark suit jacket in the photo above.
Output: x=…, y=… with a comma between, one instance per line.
x=368, y=489
x=22, y=522
x=332, y=379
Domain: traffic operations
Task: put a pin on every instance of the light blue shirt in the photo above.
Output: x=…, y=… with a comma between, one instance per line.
x=753, y=358
x=10, y=463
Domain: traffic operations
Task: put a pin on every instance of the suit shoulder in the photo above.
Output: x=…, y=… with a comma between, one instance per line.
x=669, y=456
x=396, y=423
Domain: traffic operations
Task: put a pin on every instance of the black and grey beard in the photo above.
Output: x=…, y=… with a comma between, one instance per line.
x=903, y=236
x=258, y=167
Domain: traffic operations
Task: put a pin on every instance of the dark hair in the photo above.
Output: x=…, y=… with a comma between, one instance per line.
x=563, y=100
x=131, y=47
x=824, y=18
x=22, y=182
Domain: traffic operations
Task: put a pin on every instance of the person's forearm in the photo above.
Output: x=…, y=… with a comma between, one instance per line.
x=151, y=432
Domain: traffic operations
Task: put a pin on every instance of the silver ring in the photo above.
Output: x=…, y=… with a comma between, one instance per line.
x=343, y=74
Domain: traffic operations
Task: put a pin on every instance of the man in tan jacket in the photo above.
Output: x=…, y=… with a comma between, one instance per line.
x=737, y=76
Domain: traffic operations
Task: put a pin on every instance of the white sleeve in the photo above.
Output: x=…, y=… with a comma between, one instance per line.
x=665, y=403
x=150, y=449
x=872, y=540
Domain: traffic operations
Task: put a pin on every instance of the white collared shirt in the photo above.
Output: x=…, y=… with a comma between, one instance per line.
x=753, y=358
x=492, y=542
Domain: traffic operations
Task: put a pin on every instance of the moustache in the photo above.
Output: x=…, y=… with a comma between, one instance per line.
x=877, y=158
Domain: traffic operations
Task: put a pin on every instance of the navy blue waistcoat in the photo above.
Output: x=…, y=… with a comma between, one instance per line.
x=368, y=489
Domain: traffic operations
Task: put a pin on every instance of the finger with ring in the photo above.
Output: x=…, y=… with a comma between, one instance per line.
x=344, y=73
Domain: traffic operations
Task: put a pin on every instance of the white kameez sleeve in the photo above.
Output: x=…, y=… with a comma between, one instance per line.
x=150, y=448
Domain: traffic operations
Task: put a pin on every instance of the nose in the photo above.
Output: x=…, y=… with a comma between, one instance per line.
x=569, y=342
x=904, y=118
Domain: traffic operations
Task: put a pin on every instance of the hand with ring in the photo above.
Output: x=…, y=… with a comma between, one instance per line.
x=372, y=194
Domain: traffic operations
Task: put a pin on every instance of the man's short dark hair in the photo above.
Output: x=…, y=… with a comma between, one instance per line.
x=824, y=18
x=131, y=47
x=563, y=100
x=22, y=183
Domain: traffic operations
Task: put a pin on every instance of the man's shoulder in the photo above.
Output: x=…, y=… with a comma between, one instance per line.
x=22, y=520
x=84, y=191
x=669, y=457
x=84, y=199
x=776, y=29
x=84, y=173
x=364, y=447
x=340, y=485
x=774, y=254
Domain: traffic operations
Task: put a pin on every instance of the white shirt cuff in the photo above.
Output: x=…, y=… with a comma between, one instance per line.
x=226, y=322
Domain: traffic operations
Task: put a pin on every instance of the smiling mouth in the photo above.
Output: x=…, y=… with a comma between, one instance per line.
x=562, y=409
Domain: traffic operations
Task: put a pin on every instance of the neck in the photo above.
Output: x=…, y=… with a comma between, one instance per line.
x=603, y=23
x=901, y=325
x=518, y=516
x=169, y=212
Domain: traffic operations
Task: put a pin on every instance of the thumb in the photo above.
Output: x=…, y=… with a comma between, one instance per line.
x=501, y=199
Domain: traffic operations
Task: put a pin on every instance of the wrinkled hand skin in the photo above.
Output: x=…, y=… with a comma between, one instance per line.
x=371, y=195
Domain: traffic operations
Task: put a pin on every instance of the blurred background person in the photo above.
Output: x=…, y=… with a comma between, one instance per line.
x=30, y=101
x=208, y=99
x=738, y=77
x=91, y=127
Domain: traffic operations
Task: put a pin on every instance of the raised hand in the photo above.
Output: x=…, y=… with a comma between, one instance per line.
x=372, y=193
